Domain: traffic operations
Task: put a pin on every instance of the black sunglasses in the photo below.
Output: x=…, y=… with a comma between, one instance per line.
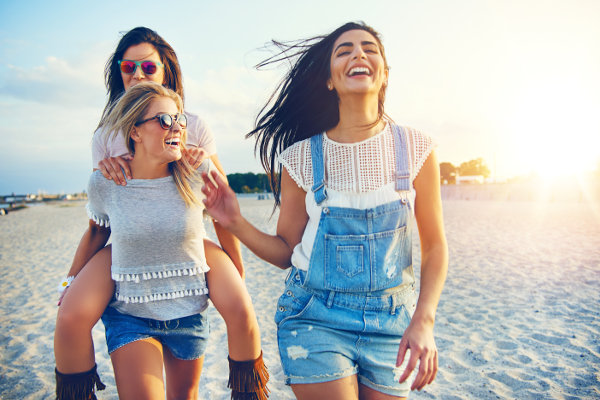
x=167, y=120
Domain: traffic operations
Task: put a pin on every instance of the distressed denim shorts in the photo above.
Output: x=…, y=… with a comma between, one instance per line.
x=186, y=337
x=325, y=335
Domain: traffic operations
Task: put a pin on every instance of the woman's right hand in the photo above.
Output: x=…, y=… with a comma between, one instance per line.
x=220, y=202
x=116, y=168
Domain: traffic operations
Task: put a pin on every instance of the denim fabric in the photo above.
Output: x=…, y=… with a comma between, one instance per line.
x=326, y=335
x=361, y=250
x=186, y=337
x=346, y=315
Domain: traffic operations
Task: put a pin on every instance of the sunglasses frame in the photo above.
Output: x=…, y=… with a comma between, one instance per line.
x=174, y=118
x=138, y=64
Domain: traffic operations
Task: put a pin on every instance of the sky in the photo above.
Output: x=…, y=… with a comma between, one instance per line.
x=514, y=82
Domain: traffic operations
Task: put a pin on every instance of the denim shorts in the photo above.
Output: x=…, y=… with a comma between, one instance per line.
x=186, y=337
x=325, y=335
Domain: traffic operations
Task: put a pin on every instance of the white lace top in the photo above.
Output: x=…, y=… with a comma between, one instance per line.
x=356, y=167
x=358, y=175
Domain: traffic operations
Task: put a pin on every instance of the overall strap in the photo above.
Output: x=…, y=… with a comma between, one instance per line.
x=318, y=167
x=402, y=158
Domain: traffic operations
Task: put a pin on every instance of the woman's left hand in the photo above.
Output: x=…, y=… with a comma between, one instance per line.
x=194, y=156
x=418, y=337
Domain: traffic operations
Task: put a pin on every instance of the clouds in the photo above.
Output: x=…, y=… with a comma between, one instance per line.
x=50, y=109
x=478, y=77
x=229, y=98
x=56, y=81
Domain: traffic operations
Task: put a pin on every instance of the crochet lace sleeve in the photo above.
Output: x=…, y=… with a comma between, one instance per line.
x=421, y=146
x=296, y=160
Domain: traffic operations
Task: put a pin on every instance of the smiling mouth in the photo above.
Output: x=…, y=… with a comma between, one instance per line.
x=358, y=71
x=172, y=142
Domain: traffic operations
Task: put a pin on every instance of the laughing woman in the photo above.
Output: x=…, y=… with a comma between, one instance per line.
x=348, y=181
x=158, y=316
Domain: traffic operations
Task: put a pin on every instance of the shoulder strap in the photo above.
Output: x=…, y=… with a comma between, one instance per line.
x=318, y=167
x=402, y=167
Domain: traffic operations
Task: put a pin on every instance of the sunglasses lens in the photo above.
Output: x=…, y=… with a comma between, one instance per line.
x=148, y=67
x=166, y=121
x=127, y=67
x=182, y=120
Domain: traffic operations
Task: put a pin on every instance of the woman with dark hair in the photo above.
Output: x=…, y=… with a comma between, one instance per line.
x=143, y=56
x=348, y=182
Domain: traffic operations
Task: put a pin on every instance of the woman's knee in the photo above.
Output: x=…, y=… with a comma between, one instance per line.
x=239, y=312
x=74, y=317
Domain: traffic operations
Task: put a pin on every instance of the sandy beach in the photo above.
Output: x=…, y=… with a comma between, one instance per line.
x=519, y=317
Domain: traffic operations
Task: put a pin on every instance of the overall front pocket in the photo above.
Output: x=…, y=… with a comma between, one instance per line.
x=347, y=263
x=363, y=263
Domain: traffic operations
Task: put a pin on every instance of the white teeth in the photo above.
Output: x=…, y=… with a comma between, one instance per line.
x=359, y=70
x=172, y=142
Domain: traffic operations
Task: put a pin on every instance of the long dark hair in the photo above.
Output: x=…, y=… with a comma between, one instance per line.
x=112, y=72
x=301, y=106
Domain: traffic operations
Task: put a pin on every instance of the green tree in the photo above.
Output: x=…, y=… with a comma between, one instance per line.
x=447, y=172
x=248, y=182
x=474, y=167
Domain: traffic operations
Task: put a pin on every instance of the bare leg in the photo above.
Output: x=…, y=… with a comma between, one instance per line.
x=231, y=299
x=366, y=393
x=183, y=376
x=82, y=306
x=344, y=388
x=139, y=370
x=339, y=389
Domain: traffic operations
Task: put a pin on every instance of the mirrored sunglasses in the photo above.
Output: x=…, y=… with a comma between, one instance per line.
x=129, y=66
x=167, y=120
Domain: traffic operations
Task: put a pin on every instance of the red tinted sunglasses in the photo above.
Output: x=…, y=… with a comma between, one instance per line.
x=129, y=66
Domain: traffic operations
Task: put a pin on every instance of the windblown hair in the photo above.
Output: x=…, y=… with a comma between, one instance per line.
x=130, y=109
x=301, y=106
x=112, y=71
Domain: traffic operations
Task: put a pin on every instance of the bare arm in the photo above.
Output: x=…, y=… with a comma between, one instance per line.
x=92, y=241
x=229, y=243
x=418, y=337
x=222, y=204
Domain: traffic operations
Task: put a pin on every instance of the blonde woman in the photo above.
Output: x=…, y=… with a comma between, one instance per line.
x=157, y=317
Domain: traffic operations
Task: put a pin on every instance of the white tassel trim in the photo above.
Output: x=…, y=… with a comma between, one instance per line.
x=157, y=275
x=97, y=220
x=162, y=296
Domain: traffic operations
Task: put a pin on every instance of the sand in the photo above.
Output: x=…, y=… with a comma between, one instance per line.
x=519, y=317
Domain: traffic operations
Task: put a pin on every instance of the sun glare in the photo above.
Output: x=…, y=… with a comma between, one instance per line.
x=556, y=132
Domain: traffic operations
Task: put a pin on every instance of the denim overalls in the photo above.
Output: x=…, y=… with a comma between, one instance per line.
x=347, y=313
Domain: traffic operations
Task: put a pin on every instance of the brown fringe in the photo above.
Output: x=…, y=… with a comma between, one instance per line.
x=79, y=386
x=248, y=379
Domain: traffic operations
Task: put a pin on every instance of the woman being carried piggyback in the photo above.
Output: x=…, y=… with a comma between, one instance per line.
x=143, y=56
x=348, y=182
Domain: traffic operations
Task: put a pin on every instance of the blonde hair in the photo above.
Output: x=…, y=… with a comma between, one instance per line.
x=131, y=108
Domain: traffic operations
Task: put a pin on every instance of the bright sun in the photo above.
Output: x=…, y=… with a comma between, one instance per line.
x=557, y=132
